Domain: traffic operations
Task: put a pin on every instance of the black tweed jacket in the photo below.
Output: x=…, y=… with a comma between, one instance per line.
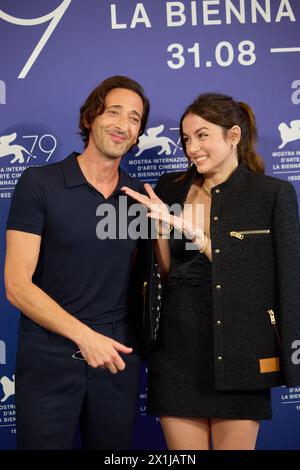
x=254, y=228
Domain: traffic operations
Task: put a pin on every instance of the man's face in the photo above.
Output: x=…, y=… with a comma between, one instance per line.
x=115, y=131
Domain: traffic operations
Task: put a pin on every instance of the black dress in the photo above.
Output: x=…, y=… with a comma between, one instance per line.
x=181, y=367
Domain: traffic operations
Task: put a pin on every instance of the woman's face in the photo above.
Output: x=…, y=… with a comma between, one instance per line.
x=207, y=147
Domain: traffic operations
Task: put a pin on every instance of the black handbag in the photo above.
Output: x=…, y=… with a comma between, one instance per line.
x=145, y=297
x=152, y=301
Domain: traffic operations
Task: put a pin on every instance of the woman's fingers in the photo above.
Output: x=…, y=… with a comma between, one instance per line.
x=153, y=203
x=166, y=218
x=137, y=196
x=130, y=192
x=150, y=191
x=157, y=215
x=177, y=222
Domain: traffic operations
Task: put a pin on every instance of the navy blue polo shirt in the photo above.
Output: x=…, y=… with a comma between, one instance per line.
x=85, y=275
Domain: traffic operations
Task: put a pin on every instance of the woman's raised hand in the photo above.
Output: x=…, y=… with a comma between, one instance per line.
x=151, y=202
x=158, y=210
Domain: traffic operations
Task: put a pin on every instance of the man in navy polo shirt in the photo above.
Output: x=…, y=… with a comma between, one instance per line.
x=77, y=359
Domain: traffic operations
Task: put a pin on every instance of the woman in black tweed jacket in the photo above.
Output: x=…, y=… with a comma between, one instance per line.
x=230, y=324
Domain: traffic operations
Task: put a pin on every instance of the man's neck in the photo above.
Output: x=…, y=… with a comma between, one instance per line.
x=99, y=171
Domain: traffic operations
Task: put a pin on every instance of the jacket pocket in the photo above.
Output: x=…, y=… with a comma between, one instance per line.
x=241, y=234
x=273, y=323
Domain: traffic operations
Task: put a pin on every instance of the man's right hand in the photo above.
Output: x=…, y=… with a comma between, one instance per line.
x=22, y=255
x=101, y=351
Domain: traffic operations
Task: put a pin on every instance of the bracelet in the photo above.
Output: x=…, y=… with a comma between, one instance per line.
x=160, y=233
x=205, y=244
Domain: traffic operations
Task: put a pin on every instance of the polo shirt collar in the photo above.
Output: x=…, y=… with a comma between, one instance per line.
x=124, y=180
x=72, y=173
x=74, y=177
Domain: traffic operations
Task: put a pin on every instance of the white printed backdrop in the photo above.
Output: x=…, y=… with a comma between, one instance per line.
x=54, y=52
